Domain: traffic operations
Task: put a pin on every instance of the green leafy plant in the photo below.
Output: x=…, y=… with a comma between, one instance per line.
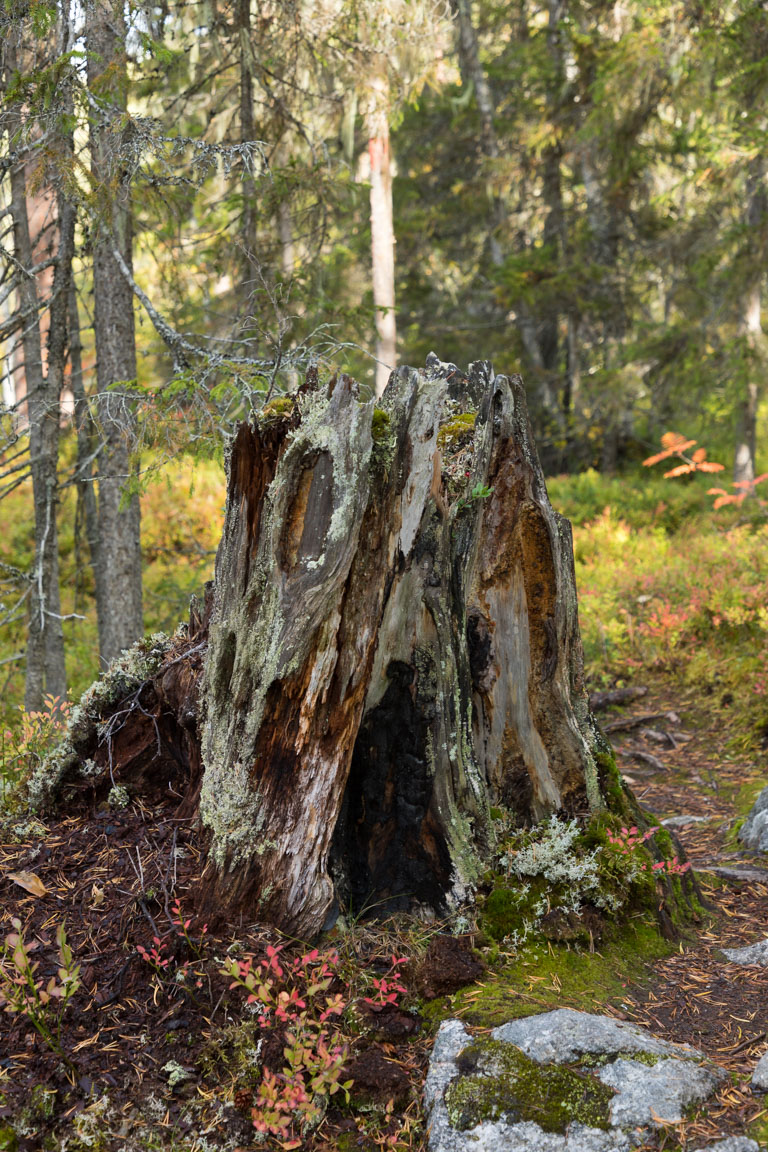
x=294, y=996
x=22, y=990
x=479, y=492
x=24, y=751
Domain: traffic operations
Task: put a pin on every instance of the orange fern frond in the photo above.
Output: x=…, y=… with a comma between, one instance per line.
x=681, y=470
x=710, y=466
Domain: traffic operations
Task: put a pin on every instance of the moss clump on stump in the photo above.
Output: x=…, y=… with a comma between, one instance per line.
x=499, y=1081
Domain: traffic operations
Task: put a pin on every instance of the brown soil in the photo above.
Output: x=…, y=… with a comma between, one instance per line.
x=449, y=964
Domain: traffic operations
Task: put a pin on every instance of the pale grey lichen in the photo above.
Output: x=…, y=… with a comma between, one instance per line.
x=118, y=798
x=177, y=1074
x=231, y=807
x=269, y=638
x=90, y=1124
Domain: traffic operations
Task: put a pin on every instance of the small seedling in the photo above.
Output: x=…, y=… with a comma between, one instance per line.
x=21, y=990
x=479, y=492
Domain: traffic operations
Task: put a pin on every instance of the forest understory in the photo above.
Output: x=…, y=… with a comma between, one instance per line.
x=158, y=1050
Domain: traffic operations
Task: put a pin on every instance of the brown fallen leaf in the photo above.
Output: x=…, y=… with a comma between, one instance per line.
x=29, y=882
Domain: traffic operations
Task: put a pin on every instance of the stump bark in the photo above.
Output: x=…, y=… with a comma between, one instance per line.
x=390, y=652
x=393, y=650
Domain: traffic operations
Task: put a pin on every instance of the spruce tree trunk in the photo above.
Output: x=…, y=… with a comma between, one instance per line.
x=45, y=671
x=393, y=649
x=117, y=564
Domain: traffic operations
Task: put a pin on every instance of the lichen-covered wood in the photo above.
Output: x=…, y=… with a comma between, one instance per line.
x=392, y=651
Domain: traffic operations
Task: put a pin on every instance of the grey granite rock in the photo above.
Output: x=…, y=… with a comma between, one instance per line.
x=754, y=831
x=659, y=1094
x=760, y=1074
x=751, y=954
x=497, y=1135
x=565, y=1034
x=683, y=820
x=648, y=1093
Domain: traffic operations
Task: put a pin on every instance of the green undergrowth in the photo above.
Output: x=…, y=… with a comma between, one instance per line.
x=182, y=513
x=569, y=882
x=669, y=586
x=544, y=976
x=758, y=1131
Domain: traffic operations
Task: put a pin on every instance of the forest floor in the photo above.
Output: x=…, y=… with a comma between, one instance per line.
x=156, y=1050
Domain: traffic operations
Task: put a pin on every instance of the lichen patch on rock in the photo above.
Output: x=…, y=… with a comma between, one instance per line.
x=561, y=1081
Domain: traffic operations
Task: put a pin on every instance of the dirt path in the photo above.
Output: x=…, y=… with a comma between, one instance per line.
x=697, y=996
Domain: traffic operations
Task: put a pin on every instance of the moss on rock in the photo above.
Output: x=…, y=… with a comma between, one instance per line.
x=499, y=1081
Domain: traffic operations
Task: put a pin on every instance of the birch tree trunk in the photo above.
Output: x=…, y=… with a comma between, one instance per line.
x=382, y=229
x=117, y=571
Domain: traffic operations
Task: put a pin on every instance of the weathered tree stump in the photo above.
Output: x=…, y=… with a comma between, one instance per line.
x=393, y=650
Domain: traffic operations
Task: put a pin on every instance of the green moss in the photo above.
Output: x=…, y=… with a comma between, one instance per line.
x=458, y=430
x=42, y=1102
x=280, y=406
x=382, y=435
x=501, y=914
x=600, y=1059
x=9, y=1141
x=501, y=1081
x=757, y=1131
x=664, y=842
x=380, y=425
x=610, y=782
x=348, y=1142
x=234, y=1050
x=545, y=976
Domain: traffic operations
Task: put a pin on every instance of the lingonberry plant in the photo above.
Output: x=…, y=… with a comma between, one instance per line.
x=294, y=996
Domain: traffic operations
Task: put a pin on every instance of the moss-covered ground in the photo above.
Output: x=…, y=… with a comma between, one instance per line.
x=545, y=975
